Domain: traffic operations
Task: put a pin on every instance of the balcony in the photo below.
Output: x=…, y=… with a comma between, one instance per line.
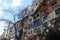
x=25, y=12
x=45, y=19
x=35, y=24
x=25, y=29
x=35, y=8
x=30, y=32
x=54, y=5
x=24, y=15
x=38, y=30
x=35, y=31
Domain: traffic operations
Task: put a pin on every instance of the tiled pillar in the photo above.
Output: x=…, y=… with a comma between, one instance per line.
x=28, y=38
x=40, y=37
x=34, y=38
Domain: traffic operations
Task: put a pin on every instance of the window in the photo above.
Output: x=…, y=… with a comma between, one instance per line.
x=35, y=23
x=37, y=15
x=32, y=10
x=57, y=23
x=30, y=32
x=25, y=27
x=29, y=27
x=35, y=30
x=36, y=4
x=32, y=24
x=57, y=11
x=53, y=3
x=39, y=22
x=46, y=26
x=30, y=19
x=38, y=30
x=45, y=18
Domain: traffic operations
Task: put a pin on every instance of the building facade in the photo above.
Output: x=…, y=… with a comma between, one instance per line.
x=37, y=20
x=41, y=19
x=18, y=31
x=11, y=33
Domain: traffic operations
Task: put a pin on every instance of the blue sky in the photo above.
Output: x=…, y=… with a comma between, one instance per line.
x=14, y=5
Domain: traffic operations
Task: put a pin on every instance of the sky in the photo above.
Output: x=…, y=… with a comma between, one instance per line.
x=13, y=6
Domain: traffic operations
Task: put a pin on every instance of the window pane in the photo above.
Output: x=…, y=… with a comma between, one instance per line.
x=57, y=11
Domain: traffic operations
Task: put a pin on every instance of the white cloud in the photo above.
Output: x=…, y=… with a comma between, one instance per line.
x=16, y=3
x=0, y=7
x=5, y=5
x=1, y=13
x=1, y=30
x=3, y=24
x=0, y=1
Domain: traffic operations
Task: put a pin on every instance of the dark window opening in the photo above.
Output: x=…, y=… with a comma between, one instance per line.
x=37, y=15
x=25, y=27
x=35, y=30
x=36, y=4
x=57, y=11
x=45, y=18
x=32, y=10
x=54, y=3
x=30, y=19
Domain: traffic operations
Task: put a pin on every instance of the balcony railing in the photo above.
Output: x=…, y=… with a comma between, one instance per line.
x=35, y=23
x=38, y=30
x=25, y=15
x=35, y=31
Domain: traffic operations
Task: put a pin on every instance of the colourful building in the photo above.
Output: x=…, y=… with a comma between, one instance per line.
x=40, y=20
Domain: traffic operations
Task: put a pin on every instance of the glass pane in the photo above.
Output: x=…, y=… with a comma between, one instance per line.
x=57, y=11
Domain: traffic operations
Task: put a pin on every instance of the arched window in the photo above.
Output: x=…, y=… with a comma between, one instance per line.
x=57, y=11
